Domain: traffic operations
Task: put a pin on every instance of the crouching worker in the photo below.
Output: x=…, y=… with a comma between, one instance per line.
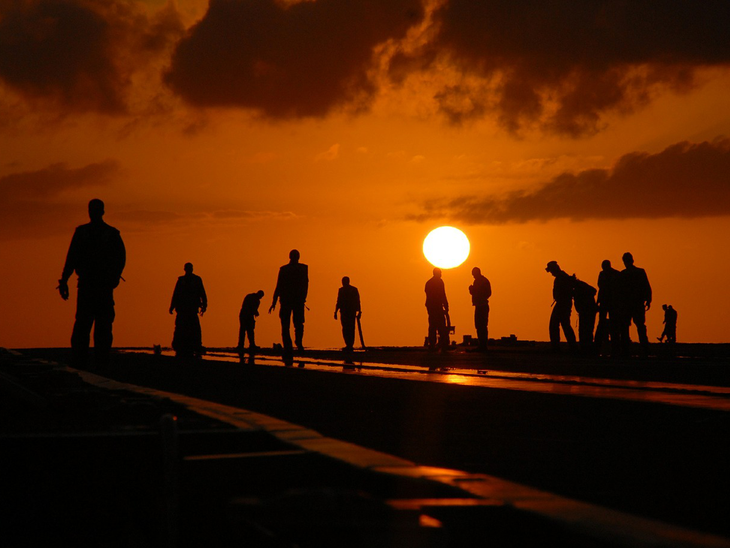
x=247, y=319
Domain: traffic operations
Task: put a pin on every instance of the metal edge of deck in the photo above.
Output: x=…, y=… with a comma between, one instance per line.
x=587, y=519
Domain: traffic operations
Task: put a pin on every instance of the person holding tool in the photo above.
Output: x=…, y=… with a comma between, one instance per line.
x=437, y=307
x=348, y=304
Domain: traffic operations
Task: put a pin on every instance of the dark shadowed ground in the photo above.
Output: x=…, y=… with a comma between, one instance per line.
x=657, y=460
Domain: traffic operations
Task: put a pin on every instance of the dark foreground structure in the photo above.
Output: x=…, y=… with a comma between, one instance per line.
x=204, y=455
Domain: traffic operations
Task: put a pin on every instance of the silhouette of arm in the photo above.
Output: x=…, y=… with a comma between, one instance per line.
x=69, y=266
x=121, y=258
x=276, y=293
x=203, y=298
x=175, y=293
x=357, y=300
x=305, y=282
x=647, y=295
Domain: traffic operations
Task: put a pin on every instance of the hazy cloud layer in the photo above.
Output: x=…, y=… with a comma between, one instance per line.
x=685, y=180
x=300, y=60
x=79, y=54
x=564, y=63
x=33, y=203
x=53, y=180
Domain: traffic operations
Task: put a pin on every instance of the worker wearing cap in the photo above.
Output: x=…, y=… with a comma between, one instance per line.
x=562, y=306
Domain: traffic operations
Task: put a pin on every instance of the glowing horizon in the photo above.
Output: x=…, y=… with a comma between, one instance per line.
x=228, y=139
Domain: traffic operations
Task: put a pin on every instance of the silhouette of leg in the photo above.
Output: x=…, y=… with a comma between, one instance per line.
x=348, y=329
x=241, y=337
x=554, y=329
x=639, y=318
x=432, y=330
x=298, y=318
x=601, y=336
x=444, y=337
x=569, y=333
x=586, y=323
x=285, y=317
x=251, y=340
x=82, y=329
x=103, y=320
x=481, y=323
x=624, y=338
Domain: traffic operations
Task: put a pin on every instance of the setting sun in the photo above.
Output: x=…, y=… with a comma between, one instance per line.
x=446, y=247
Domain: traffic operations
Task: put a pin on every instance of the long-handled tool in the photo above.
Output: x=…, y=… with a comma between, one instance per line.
x=359, y=331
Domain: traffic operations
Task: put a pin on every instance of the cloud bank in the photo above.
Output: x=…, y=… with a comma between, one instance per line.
x=686, y=180
x=286, y=61
x=80, y=55
x=564, y=63
x=35, y=203
x=560, y=66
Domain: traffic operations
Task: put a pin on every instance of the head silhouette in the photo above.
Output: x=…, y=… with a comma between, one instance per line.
x=345, y=281
x=628, y=259
x=260, y=293
x=437, y=272
x=606, y=265
x=476, y=271
x=188, y=268
x=96, y=209
x=294, y=256
x=552, y=267
x=664, y=307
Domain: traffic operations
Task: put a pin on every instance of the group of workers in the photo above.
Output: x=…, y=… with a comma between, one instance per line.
x=622, y=297
x=97, y=255
x=292, y=285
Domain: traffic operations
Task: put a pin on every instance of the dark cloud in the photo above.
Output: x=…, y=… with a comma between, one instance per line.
x=686, y=180
x=79, y=54
x=564, y=63
x=33, y=203
x=300, y=60
x=53, y=180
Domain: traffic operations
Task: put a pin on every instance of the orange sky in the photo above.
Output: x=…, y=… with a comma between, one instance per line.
x=349, y=130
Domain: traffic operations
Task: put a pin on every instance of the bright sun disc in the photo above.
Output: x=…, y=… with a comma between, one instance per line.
x=446, y=247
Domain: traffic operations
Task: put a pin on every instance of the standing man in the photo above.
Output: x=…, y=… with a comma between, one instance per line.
x=480, y=292
x=635, y=297
x=188, y=299
x=98, y=256
x=437, y=307
x=607, y=308
x=247, y=320
x=291, y=292
x=348, y=303
x=562, y=307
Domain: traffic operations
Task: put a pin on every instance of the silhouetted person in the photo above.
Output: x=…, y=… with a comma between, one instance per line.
x=562, y=306
x=670, y=324
x=480, y=292
x=291, y=292
x=189, y=300
x=607, y=308
x=348, y=303
x=634, y=301
x=247, y=321
x=437, y=307
x=584, y=297
x=98, y=256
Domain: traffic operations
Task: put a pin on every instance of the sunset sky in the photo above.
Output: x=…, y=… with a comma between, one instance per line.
x=226, y=133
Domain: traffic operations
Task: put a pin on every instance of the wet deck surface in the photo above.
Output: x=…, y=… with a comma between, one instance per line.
x=682, y=394
x=652, y=447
